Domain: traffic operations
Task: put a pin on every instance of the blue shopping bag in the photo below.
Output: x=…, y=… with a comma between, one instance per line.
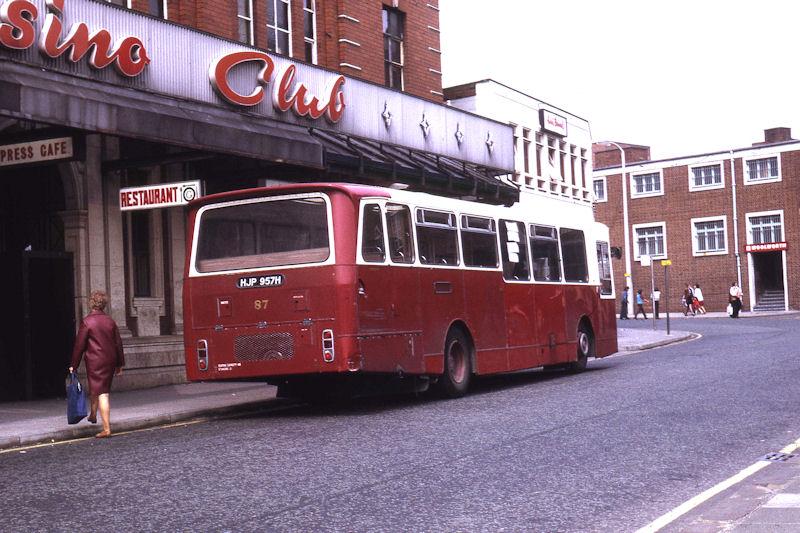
x=76, y=400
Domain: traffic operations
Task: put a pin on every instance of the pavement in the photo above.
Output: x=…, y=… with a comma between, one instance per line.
x=767, y=501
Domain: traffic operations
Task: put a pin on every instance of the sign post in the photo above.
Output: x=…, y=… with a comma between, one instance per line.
x=665, y=263
x=647, y=261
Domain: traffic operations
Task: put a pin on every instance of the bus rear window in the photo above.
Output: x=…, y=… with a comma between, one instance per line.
x=263, y=234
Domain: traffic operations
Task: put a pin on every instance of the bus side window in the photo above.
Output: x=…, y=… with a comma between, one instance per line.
x=604, y=267
x=437, y=238
x=545, y=256
x=514, y=251
x=372, y=245
x=573, y=246
x=398, y=228
x=479, y=241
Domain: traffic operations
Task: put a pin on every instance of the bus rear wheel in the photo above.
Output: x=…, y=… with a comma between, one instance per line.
x=585, y=348
x=457, y=364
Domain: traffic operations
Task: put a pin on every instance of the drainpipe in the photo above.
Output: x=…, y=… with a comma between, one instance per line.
x=735, y=225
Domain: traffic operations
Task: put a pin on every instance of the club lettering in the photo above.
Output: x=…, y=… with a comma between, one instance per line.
x=286, y=94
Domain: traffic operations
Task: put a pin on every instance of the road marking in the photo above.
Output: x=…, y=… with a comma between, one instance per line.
x=687, y=506
x=198, y=420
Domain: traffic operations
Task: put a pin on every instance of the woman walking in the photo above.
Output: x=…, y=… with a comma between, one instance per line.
x=98, y=338
x=640, y=301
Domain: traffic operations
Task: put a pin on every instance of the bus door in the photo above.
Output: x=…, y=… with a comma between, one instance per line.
x=440, y=281
x=388, y=291
x=549, y=305
x=484, y=290
x=520, y=302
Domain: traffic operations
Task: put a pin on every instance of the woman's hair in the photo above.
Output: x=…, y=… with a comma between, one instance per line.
x=98, y=300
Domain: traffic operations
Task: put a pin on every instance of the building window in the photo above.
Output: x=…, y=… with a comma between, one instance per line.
x=310, y=30
x=158, y=8
x=393, y=30
x=245, y=18
x=651, y=239
x=649, y=184
x=526, y=150
x=599, y=185
x=765, y=227
x=705, y=177
x=140, y=250
x=708, y=236
x=121, y=3
x=279, y=36
x=762, y=170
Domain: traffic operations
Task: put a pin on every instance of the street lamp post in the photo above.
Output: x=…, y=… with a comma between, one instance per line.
x=626, y=231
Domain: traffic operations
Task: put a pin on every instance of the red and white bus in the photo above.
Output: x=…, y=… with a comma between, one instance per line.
x=311, y=284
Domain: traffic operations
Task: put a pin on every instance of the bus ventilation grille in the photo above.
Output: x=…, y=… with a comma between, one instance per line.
x=265, y=347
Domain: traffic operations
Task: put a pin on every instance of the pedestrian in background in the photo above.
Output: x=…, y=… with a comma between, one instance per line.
x=698, y=295
x=656, y=296
x=688, y=300
x=99, y=343
x=735, y=299
x=623, y=308
x=640, y=301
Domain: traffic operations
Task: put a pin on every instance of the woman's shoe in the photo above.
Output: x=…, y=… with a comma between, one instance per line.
x=103, y=435
x=92, y=419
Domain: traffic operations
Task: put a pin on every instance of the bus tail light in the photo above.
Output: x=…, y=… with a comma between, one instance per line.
x=328, y=353
x=202, y=355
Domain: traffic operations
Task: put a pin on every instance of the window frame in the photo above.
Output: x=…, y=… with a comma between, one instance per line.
x=587, y=275
x=522, y=244
x=250, y=23
x=532, y=236
x=699, y=253
x=464, y=217
x=749, y=216
x=607, y=256
x=746, y=169
x=635, y=227
x=310, y=40
x=454, y=226
x=597, y=199
x=634, y=175
x=401, y=43
x=272, y=26
x=361, y=222
x=720, y=185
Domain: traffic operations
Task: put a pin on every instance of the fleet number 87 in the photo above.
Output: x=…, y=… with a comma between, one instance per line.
x=261, y=304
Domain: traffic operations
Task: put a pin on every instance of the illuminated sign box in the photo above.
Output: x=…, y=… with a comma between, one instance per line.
x=157, y=196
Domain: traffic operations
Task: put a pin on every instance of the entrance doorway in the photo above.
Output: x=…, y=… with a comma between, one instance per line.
x=768, y=280
x=37, y=320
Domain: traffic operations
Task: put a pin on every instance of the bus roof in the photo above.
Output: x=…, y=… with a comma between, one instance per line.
x=353, y=190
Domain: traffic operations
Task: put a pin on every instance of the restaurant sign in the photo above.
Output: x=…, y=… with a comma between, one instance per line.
x=553, y=123
x=161, y=195
x=37, y=151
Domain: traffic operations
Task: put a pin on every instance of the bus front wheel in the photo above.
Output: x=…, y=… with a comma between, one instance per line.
x=457, y=364
x=585, y=348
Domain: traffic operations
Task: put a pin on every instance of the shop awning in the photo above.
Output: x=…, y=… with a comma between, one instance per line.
x=48, y=97
x=367, y=160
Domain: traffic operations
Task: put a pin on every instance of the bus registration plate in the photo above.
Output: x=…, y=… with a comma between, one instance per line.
x=253, y=282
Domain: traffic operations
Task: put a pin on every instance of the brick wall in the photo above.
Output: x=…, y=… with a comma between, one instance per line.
x=679, y=205
x=348, y=31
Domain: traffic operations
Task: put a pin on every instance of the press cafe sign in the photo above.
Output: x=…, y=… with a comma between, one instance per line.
x=129, y=56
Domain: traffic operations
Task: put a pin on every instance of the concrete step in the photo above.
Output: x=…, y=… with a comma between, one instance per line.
x=759, y=308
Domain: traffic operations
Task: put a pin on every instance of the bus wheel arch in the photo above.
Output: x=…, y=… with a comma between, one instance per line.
x=585, y=345
x=459, y=361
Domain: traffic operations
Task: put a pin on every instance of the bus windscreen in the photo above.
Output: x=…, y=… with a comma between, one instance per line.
x=263, y=234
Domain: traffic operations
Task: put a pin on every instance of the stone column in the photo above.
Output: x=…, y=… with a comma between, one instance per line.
x=115, y=268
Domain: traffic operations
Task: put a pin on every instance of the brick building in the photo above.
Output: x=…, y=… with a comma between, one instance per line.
x=343, y=35
x=718, y=217
x=207, y=96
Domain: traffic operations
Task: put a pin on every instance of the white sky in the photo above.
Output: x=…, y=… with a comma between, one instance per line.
x=684, y=77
